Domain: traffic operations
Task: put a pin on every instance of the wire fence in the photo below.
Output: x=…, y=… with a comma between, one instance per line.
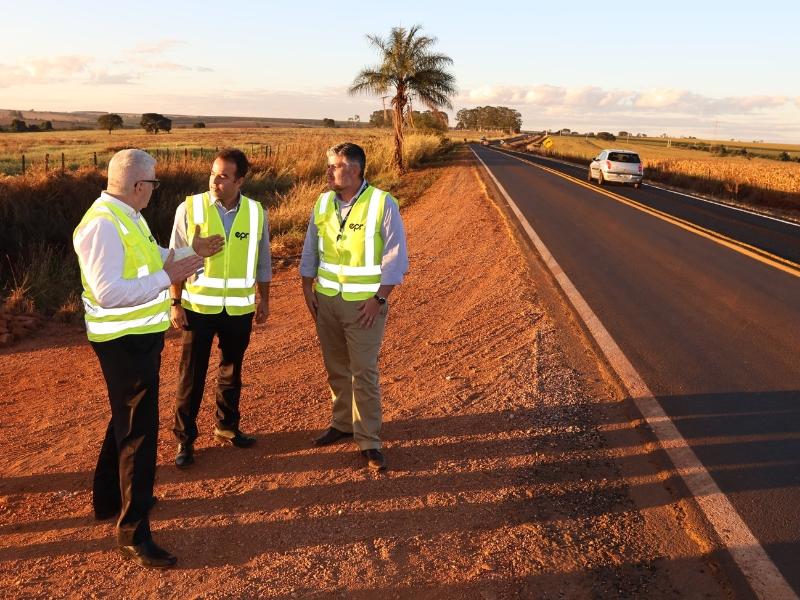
x=62, y=162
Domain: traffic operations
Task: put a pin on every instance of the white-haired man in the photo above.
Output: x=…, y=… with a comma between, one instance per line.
x=125, y=277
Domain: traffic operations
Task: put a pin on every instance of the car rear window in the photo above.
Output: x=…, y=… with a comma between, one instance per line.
x=626, y=157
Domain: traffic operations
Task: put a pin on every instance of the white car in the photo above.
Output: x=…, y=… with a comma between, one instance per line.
x=621, y=166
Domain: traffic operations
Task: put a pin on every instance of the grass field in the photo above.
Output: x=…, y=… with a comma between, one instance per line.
x=79, y=147
x=38, y=211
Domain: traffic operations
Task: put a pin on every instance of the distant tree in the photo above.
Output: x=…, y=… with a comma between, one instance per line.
x=109, y=121
x=18, y=125
x=199, y=125
x=605, y=135
x=784, y=156
x=16, y=114
x=623, y=134
x=380, y=119
x=154, y=122
x=489, y=117
x=328, y=122
x=408, y=66
x=46, y=126
x=430, y=120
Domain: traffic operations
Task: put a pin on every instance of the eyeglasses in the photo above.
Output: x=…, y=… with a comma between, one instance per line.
x=156, y=183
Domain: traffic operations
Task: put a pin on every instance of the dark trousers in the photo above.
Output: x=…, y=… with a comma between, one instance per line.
x=126, y=467
x=234, y=336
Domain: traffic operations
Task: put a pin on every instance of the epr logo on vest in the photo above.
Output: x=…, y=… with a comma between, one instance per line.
x=242, y=235
x=356, y=226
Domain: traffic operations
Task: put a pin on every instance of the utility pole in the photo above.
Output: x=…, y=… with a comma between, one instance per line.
x=385, y=116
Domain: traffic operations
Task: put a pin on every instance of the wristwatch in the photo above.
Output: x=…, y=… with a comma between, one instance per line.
x=176, y=302
x=381, y=300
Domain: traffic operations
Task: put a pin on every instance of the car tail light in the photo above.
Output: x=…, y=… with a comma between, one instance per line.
x=640, y=168
x=608, y=165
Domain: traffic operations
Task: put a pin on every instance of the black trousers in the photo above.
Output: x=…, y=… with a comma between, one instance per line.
x=126, y=467
x=234, y=336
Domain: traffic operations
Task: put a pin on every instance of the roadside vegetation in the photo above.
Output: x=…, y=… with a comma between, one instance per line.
x=38, y=211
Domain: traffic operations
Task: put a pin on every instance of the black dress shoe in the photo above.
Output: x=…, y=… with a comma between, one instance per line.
x=234, y=438
x=331, y=435
x=185, y=456
x=148, y=554
x=375, y=459
x=103, y=515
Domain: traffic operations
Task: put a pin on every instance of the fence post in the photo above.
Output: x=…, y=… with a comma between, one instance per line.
x=23, y=164
x=62, y=163
x=95, y=160
x=46, y=162
x=185, y=153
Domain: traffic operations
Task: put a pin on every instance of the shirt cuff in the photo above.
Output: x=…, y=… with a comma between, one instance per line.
x=163, y=280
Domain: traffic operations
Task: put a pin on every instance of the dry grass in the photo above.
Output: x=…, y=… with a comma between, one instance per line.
x=39, y=211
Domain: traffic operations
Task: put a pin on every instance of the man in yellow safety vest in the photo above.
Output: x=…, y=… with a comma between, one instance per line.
x=125, y=277
x=219, y=301
x=355, y=249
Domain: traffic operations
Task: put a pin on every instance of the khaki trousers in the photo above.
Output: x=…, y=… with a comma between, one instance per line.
x=350, y=354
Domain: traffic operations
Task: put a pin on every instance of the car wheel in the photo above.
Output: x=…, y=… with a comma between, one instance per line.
x=637, y=185
x=600, y=180
x=589, y=175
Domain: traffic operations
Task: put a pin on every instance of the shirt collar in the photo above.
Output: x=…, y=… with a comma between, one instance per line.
x=360, y=191
x=222, y=206
x=126, y=208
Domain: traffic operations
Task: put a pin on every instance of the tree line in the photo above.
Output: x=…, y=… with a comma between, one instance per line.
x=432, y=120
x=489, y=117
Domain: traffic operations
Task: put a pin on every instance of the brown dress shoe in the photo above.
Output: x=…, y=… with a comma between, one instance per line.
x=375, y=459
x=331, y=435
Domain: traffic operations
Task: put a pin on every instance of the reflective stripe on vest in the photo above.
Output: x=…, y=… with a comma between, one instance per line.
x=141, y=258
x=229, y=277
x=350, y=258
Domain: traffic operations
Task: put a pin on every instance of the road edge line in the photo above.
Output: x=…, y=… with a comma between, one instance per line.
x=748, y=554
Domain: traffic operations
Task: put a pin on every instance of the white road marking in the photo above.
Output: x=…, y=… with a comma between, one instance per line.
x=757, y=567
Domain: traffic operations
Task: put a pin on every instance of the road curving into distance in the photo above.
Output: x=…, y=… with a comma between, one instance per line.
x=704, y=304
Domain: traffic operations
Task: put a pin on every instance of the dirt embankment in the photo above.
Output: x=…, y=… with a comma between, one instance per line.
x=500, y=482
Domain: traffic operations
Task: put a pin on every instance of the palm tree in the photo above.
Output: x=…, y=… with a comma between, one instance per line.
x=408, y=66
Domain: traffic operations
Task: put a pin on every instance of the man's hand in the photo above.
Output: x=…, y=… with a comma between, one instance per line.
x=262, y=311
x=311, y=299
x=179, y=270
x=206, y=246
x=177, y=316
x=367, y=313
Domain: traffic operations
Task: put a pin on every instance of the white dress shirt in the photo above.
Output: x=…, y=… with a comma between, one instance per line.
x=102, y=258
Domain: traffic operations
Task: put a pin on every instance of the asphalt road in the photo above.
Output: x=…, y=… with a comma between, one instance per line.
x=715, y=334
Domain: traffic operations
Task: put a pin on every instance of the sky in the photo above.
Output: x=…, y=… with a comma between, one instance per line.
x=703, y=68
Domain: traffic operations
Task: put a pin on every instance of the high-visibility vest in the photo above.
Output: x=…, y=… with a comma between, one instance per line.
x=229, y=277
x=142, y=258
x=350, y=256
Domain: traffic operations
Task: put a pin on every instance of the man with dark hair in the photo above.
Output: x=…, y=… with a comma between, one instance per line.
x=219, y=299
x=355, y=249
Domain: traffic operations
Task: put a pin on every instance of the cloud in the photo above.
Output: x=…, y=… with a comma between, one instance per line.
x=595, y=100
x=102, y=77
x=44, y=70
x=159, y=47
